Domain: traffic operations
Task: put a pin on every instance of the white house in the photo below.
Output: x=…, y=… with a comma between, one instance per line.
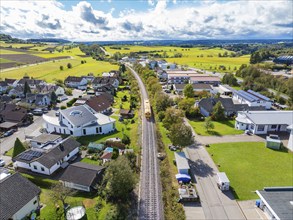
x=181, y=163
x=252, y=98
x=262, y=122
x=82, y=176
x=19, y=197
x=167, y=66
x=79, y=121
x=45, y=141
x=38, y=99
x=49, y=161
x=99, y=82
x=49, y=88
x=76, y=82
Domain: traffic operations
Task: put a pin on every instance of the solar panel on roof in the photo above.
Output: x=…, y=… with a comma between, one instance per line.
x=246, y=96
x=29, y=155
x=26, y=156
x=259, y=95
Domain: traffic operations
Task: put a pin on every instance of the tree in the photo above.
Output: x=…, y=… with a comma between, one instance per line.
x=218, y=113
x=125, y=139
x=172, y=116
x=68, y=91
x=162, y=101
x=27, y=88
x=208, y=124
x=53, y=98
x=188, y=91
x=69, y=65
x=119, y=179
x=60, y=193
x=18, y=148
x=180, y=135
x=61, y=68
x=229, y=79
x=186, y=104
x=122, y=68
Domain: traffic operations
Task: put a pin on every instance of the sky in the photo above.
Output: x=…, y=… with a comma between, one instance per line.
x=110, y=20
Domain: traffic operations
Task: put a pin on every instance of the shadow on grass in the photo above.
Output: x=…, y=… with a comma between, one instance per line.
x=234, y=193
x=228, y=123
x=214, y=133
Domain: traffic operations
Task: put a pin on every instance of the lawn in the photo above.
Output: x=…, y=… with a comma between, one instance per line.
x=9, y=153
x=89, y=161
x=5, y=60
x=49, y=210
x=221, y=128
x=251, y=166
x=118, y=101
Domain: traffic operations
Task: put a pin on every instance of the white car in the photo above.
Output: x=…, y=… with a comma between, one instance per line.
x=2, y=162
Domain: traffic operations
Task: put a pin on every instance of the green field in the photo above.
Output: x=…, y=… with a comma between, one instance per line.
x=221, y=128
x=198, y=57
x=51, y=70
x=5, y=61
x=3, y=51
x=251, y=166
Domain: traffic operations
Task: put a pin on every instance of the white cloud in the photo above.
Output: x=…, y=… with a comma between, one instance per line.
x=232, y=19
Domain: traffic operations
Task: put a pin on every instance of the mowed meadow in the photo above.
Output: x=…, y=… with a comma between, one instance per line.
x=50, y=70
x=197, y=57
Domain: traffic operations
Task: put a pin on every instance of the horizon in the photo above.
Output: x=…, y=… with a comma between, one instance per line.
x=94, y=21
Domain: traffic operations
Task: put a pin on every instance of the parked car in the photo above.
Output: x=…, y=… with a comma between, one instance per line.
x=172, y=147
x=57, y=113
x=2, y=162
x=45, y=110
x=8, y=133
x=38, y=112
x=248, y=132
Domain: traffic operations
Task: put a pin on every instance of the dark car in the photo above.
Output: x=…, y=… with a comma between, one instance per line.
x=8, y=133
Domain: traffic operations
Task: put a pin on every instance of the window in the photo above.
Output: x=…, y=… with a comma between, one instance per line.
x=252, y=126
x=84, y=131
x=97, y=130
x=42, y=168
x=100, y=129
x=35, y=202
x=35, y=167
x=68, y=155
x=274, y=126
x=71, y=132
x=260, y=128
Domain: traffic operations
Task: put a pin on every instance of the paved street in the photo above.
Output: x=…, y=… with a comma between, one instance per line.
x=215, y=203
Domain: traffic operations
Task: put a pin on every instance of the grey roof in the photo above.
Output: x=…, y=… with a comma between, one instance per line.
x=82, y=174
x=59, y=152
x=73, y=79
x=251, y=96
x=278, y=199
x=50, y=158
x=270, y=117
x=181, y=161
x=78, y=115
x=44, y=138
x=16, y=192
x=104, y=80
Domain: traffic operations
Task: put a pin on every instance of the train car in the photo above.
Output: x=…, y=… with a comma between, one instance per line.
x=147, y=109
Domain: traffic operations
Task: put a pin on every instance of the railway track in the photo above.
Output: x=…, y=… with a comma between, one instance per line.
x=150, y=196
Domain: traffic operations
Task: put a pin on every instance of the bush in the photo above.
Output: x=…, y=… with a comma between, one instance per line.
x=68, y=92
x=125, y=140
x=132, y=121
x=63, y=107
x=71, y=102
x=69, y=65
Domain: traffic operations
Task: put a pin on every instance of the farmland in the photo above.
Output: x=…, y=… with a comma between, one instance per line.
x=50, y=70
x=198, y=57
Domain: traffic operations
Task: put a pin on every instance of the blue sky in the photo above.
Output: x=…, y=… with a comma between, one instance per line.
x=108, y=20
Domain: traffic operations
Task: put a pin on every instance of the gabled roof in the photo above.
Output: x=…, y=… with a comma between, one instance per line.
x=12, y=112
x=107, y=155
x=3, y=83
x=16, y=192
x=82, y=174
x=205, y=78
x=104, y=80
x=73, y=79
x=194, y=86
x=78, y=115
x=9, y=81
x=30, y=81
x=98, y=103
x=268, y=117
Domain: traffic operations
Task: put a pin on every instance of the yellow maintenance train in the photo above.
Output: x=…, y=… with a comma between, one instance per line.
x=147, y=109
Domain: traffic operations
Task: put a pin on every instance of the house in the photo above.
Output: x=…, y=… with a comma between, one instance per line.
x=107, y=156
x=11, y=82
x=47, y=162
x=49, y=88
x=6, y=126
x=82, y=176
x=76, y=82
x=126, y=113
x=225, y=90
x=3, y=87
x=276, y=202
x=96, y=104
x=167, y=66
x=206, y=79
x=38, y=99
x=262, y=122
x=79, y=121
x=19, y=197
x=33, y=83
x=45, y=141
x=178, y=88
x=252, y=98
x=107, y=89
x=206, y=106
x=182, y=163
x=17, y=91
x=5, y=99
x=180, y=76
x=99, y=82
x=15, y=114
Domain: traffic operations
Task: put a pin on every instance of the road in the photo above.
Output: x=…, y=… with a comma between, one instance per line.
x=215, y=203
x=150, y=192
